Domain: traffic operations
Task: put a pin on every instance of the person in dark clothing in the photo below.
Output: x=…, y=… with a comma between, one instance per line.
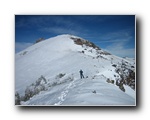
x=81, y=74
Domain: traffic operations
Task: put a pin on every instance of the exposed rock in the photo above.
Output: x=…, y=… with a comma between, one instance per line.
x=39, y=40
x=82, y=42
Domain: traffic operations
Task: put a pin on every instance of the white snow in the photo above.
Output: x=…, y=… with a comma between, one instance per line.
x=61, y=55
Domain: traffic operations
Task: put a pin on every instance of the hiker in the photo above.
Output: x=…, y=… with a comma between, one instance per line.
x=81, y=74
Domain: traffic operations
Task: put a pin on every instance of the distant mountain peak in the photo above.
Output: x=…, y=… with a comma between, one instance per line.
x=80, y=41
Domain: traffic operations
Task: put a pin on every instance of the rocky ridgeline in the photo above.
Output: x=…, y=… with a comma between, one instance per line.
x=82, y=42
x=127, y=75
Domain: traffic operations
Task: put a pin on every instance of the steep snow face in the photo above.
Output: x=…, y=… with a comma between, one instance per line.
x=47, y=73
x=41, y=58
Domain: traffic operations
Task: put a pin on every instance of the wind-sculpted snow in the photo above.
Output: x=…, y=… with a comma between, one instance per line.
x=53, y=66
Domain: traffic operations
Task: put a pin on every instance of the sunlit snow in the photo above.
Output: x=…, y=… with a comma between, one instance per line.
x=61, y=56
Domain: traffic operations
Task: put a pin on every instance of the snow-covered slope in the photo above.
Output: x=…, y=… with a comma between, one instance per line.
x=47, y=73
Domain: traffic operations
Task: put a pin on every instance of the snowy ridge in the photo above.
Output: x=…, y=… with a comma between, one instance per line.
x=47, y=73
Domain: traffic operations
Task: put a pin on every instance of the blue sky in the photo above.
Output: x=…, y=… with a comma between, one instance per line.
x=113, y=33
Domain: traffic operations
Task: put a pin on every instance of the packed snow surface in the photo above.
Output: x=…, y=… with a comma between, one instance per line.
x=59, y=61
